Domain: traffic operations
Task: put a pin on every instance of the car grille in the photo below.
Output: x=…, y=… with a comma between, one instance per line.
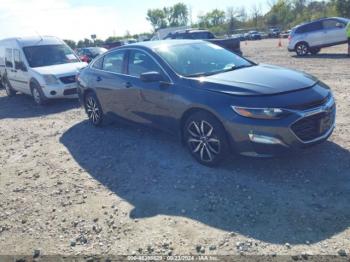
x=71, y=91
x=312, y=127
x=68, y=79
x=313, y=104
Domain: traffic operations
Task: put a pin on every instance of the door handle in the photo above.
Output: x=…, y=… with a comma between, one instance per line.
x=128, y=85
x=13, y=71
x=99, y=79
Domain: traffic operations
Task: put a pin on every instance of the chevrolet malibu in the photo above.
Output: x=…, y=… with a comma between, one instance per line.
x=215, y=101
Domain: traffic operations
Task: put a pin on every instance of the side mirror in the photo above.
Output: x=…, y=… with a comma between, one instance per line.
x=149, y=77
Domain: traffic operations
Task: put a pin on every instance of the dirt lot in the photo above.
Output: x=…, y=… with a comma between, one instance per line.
x=68, y=188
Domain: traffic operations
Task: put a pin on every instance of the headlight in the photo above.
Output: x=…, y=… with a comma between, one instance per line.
x=260, y=113
x=50, y=79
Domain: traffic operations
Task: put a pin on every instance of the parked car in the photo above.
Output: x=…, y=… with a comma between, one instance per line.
x=44, y=67
x=312, y=37
x=87, y=54
x=274, y=32
x=232, y=44
x=213, y=99
x=285, y=34
x=254, y=35
x=115, y=44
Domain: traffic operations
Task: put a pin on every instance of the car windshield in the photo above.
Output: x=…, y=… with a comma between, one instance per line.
x=200, y=59
x=47, y=55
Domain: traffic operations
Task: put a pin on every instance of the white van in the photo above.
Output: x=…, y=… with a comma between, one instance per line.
x=44, y=67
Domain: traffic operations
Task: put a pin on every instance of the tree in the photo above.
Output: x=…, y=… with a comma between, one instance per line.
x=256, y=14
x=231, y=18
x=343, y=7
x=212, y=19
x=178, y=15
x=157, y=18
x=70, y=43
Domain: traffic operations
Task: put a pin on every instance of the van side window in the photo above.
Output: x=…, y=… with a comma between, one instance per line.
x=8, y=58
x=17, y=58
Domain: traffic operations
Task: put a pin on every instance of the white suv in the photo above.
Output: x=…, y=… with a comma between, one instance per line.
x=44, y=67
x=311, y=37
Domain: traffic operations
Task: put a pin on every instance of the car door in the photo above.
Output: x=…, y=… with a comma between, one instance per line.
x=21, y=72
x=152, y=104
x=110, y=82
x=314, y=34
x=335, y=31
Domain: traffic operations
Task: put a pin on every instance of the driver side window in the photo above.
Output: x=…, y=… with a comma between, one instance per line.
x=140, y=62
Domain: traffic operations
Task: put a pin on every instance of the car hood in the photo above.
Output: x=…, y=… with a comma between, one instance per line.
x=59, y=70
x=258, y=80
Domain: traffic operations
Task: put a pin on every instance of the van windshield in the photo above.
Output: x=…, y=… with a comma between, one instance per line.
x=47, y=55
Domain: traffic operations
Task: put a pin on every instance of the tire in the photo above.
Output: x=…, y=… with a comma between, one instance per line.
x=8, y=88
x=205, y=138
x=315, y=50
x=93, y=109
x=302, y=49
x=38, y=95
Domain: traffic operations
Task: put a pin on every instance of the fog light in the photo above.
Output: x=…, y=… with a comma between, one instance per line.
x=53, y=93
x=265, y=140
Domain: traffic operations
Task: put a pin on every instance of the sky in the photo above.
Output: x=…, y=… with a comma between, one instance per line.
x=78, y=19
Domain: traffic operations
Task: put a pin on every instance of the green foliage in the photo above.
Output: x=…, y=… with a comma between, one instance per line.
x=342, y=7
x=70, y=43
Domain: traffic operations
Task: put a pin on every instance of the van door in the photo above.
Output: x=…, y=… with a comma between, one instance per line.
x=10, y=70
x=21, y=72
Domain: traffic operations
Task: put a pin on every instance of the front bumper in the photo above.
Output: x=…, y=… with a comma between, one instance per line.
x=60, y=91
x=302, y=129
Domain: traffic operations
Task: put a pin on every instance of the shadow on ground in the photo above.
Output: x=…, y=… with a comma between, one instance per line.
x=23, y=106
x=299, y=198
x=325, y=56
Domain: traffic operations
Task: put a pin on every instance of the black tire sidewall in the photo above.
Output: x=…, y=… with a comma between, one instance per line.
x=302, y=44
x=219, y=131
x=42, y=100
x=93, y=96
x=9, y=91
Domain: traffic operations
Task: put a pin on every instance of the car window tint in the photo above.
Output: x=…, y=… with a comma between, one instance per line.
x=140, y=62
x=17, y=58
x=8, y=58
x=314, y=26
x=98, y=64
x=330, y=24
x=113, y=62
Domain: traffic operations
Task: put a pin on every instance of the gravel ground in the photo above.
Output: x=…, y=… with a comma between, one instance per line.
x=68, y=188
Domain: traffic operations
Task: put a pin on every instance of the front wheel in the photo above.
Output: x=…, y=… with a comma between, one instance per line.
x=38, y=95
x=302, y=49
x=205, y=138
x=93, y=109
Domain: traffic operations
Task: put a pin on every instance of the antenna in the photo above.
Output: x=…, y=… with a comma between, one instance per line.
x=41, y=38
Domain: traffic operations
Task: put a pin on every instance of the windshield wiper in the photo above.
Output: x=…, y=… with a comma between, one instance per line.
x=220, y=71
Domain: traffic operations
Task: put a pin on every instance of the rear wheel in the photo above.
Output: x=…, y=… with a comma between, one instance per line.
x=9, y=90
x=93, y=109
x=205, y=138
x=315, y=50
x=302, y=49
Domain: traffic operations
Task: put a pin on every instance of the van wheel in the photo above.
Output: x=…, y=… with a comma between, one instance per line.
x=302, y=49
x=38, y=95
x=315, y=50
x=9, y=90
x=206, y=138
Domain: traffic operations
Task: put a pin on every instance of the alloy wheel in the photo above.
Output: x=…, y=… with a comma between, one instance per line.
x=302, y=49
x=202, y=140
x=93, y=110
x=36, y=96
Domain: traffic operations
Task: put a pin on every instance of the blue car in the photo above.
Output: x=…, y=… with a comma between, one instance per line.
x=214, y=100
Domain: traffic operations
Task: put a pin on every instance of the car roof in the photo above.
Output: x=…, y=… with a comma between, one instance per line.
x=36, y=40
x=322, y=19
x=155, y=44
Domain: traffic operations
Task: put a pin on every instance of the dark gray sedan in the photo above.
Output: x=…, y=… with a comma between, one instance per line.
x=213, y=99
